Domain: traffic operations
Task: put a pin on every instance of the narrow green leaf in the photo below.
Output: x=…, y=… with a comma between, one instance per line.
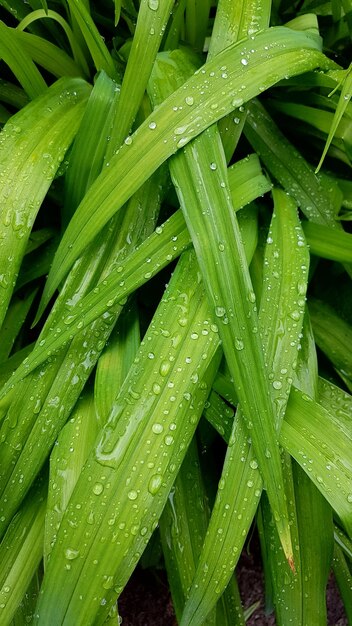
x=328, y=243
x=96, y=46
x=37, y=264
x=90, y=145
x=277, y=52
x=196, y=22
x=332, y=335
x=183, y=525
x=47, y=55
x=38, y=237
x=12, y=94
x=198, y=175
x=322, y=450
x=53, y=15
x=14, y=320
x=116, y=360
x=21, y=551
x=336, y=401
x=167, y=243
x=288, y=166
x=150, y=27
x=240, y=485
x=33, y=144
x=126, y=504
x=34, y=419
x=67, y=459
x=235, y=21
x=344, y=99
x=344, y=580
x=26, y=609
x=117, y=4
x=302, y=598
x=343, y=541
x=20, y=63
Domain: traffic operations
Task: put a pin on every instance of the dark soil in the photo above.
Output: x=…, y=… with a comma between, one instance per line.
x=146, y=600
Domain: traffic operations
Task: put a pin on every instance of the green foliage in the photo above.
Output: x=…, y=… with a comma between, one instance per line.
x=174, y=228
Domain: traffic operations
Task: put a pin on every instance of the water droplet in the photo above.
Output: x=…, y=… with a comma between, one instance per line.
x=301, y=288
x=98, y=489
x=128, y=140
x=253, y=464
x=152, y=125
x=239, y=345
x=154, y=484
x=108, y=582
x=295, y=315
x=277, y=384
x=349, y=497
x=71, y=554
x=153, y=4
x=189, y=100
x=244, y=61
x=156, y=389
x=213, y=166
x=220, y=311
x=132, y=495
x=157, y=428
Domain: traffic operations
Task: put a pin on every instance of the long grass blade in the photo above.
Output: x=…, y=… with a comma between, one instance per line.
x=233, y=515
x=77, y=53
x=72, y=448
x=33, y=144
x=151, y=424
x=21, y=551
x=100, y=54
x=343, y=577
x=14, y=320
x=173, y=125
x=150, y=27
x=167, y=243
x=20, y=63
x=332, y=335
x=327, y=243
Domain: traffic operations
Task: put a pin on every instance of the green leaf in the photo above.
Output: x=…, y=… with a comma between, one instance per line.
x=173, y=125
x=21, y=551
x=34, y=420
x=332, y=335
x=343, y=577
x=288, y=166
x=167, y=243
x=96, y=46
x=14, y=320
x=90, y=145
x=126, y=504
x=240, y=485
x=33, y=144
x=322, y=449
x=344, y=99
x=116, y=360
x=20, y=63
x=328, y=243
x=67, y=459
x=78, y=56
x=150, y=27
